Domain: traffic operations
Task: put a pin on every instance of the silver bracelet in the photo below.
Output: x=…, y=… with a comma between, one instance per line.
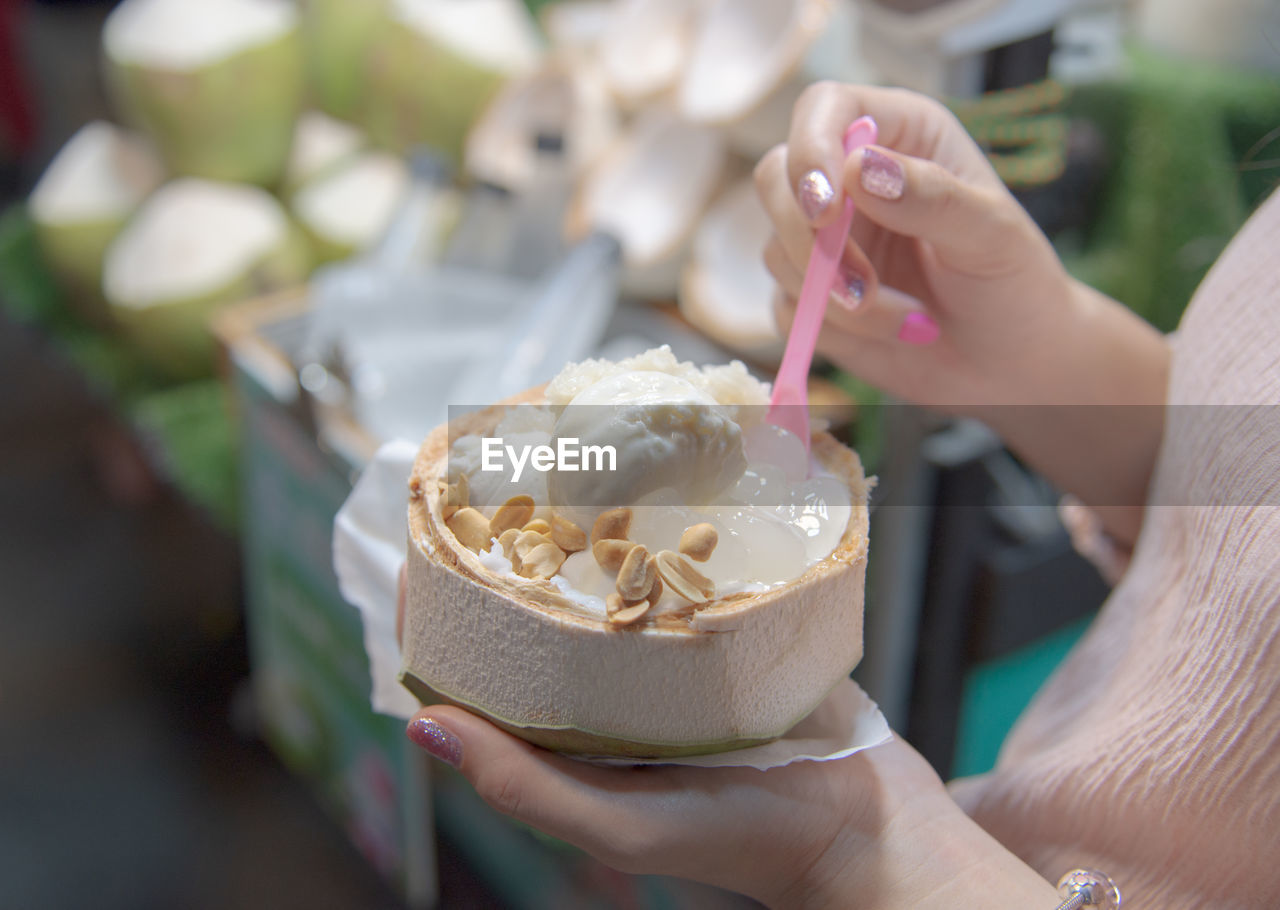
x=1087, y=888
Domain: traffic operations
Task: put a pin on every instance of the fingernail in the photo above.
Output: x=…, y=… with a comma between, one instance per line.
x=431, y=736
x=918, y=328
x=850, y=295
x=881, y=175
x=816, y=194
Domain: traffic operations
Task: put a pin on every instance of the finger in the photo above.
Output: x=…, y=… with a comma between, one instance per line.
x=913, y=123
x=599, y=809
x=968, y=225
x=883, y=313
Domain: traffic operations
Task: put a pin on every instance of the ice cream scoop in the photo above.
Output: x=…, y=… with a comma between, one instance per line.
x=661, y=431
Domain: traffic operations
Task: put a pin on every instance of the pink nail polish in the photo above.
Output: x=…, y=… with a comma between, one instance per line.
x=435, y=739
x=850, y=293
x=918, y=328
x=881, y=175
x=816, y=193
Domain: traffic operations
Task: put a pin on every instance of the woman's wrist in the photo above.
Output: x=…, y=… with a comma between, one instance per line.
x=928, y=855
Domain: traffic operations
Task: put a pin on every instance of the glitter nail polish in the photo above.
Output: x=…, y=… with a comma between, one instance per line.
x=816, y=193
x=881, y=175
x=435, y=739
x=851, y=292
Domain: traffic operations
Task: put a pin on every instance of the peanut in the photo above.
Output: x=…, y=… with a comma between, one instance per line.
x=683, y=578
x=470, y=527
x=516, y=512
x=698, y=541
x=622, y=613
x=542, y=561
x=635, y=577
x=541, y=525
x=611, y=525
x=566, y=535
x=610, y=553
x=457, y=495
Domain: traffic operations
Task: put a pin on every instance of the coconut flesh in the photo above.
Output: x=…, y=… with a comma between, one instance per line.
x=726, y=291
x=193, y=247
x=217, y=84
x=320, y=144
x=348, y=210
x=82, y=201
x=543, y=659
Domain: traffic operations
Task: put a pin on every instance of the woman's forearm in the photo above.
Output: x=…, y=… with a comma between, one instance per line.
x=1094, y=422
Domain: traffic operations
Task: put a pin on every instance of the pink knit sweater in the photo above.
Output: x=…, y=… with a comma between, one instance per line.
x=1153, y=753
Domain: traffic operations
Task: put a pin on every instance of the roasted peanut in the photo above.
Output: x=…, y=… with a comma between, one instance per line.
x=470, y=527
x=566, y=535
x=683, y=578
x=698, y=541
x=611, y=525
x=541, y=525
x=516, y=512
x=635, y=577
x=542, y=561
x=610, y=553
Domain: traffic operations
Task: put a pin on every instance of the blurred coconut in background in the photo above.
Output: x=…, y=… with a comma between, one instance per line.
x=649, y=191
x=194, y=247
x=726, y=291
x=570, y=102
x=83, y=201
x=347, y=209
x=438, y=63
x=216, y=84
x=320, y=144
x=338, y=38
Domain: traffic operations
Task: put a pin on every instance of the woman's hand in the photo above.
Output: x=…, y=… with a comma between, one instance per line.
x=952, y=297
x=948, y=286
x=874, y=830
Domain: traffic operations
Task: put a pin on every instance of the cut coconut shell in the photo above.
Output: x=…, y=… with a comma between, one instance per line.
x=348, y=210
x=436, y=65
x=570, y=103
x=83, y=201
x=217, y=84
x=748, y=63
x=194, y=247
x=644, y=46
x=649, y=190
x=321, y=145
x=726, y=291
x=338, y=38
x=737, y=671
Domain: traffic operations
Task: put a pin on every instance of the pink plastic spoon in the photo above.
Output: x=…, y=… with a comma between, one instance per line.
x=789, y=407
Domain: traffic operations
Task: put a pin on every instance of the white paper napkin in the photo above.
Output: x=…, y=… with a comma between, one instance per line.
x=369, y=539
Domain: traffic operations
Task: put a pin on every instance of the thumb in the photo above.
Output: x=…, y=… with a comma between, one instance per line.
x=971, y=228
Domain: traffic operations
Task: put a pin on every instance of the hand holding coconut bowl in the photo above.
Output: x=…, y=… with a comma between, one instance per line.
x=614, y=617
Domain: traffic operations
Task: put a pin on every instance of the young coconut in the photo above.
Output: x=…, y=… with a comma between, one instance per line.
x=338, y=37
x=320, y=146
x=216, y=84
x=649, y=190
x=347, y=210
x=725, y=290
x=438, y=63
x=83, y=200
x=746, y=67
x=635, y=679
x=644, y=46
x=570, y=101
x=195, y=246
